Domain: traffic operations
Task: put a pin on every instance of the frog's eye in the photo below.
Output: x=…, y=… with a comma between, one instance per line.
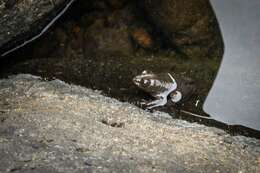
x=146, y=82
x=145, y=72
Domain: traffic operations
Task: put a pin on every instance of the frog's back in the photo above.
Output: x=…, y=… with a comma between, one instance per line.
x=161, y=85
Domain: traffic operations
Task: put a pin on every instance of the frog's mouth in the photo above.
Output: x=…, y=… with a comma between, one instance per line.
x=136, y=81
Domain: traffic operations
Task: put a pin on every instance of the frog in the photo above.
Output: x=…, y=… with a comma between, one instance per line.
x=159, y=86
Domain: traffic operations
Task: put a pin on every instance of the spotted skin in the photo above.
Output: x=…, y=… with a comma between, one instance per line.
x=159, y=86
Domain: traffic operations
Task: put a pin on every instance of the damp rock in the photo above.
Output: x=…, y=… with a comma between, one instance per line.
x=22, y=20
x=109, y=34
x=116, y=4
x=189, y=26
x=141, y=37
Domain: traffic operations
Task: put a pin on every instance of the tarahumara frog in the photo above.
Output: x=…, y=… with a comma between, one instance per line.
x=160, y=86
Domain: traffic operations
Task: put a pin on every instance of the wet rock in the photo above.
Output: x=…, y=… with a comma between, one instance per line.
x=189, y=26
x=108, y=4
x=21, y=20
x=142, y=38
x=10, y=3
x=109, y=34
x=57, y=127
x=116, y=4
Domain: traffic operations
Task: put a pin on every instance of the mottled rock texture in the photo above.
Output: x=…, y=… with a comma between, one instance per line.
x=51, y=126
x=187, y=25
x=22, y=19
x=108, y=34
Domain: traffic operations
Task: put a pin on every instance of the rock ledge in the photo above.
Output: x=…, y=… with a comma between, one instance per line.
x=51, y=126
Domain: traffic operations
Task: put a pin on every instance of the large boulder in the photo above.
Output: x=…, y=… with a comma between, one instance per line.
x=20, y=21
x=56, y=127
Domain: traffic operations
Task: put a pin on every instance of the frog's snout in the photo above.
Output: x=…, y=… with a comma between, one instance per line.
x=136, y=81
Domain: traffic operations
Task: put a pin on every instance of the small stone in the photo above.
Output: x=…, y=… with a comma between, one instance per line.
x=142, y=38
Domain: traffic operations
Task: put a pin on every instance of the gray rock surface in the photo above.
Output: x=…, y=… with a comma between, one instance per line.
x=21, y=20
x=51, y=126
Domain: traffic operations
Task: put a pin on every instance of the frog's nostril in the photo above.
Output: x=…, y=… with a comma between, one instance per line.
x=136, y=80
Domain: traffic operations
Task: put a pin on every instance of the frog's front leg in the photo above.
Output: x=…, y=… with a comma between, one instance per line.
x=161, y=101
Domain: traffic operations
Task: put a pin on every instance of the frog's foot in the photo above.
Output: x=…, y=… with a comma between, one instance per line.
x=176, y=96
x=143, y=102
x=156, y=103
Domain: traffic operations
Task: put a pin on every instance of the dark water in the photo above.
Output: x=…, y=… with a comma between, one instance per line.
x=61, y=53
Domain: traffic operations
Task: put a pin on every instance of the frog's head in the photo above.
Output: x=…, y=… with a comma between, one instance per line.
x=144, y=80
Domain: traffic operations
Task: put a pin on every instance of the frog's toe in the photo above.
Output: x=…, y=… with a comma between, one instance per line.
x=156, y=103
x=153, y=102
x=143, y=102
